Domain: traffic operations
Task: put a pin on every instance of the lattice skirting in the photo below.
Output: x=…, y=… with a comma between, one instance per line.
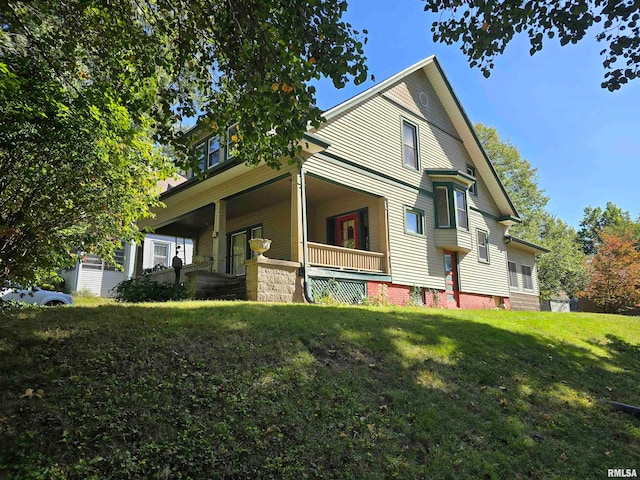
x=342, y=291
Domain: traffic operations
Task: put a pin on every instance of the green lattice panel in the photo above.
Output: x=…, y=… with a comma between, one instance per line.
x=342, y=291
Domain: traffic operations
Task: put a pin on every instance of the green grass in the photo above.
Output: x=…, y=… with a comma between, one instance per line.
x=240, y=390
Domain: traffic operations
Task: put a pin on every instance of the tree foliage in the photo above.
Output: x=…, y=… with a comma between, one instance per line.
x=486, y=28
x=615, y=272
x=596, y=219
x=72, y=176
x=562, y=269
x=90, y=89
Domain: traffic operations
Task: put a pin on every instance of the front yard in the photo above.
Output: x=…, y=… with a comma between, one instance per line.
x=241, y=390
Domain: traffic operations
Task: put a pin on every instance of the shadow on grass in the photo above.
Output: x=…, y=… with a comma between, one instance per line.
x=251, y=390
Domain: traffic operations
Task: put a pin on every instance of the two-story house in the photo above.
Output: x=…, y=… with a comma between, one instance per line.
x=395, y=197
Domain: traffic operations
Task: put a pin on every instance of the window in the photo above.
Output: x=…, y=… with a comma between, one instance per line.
x=256, y=232
x=118, y=256
x=214, y=152
x=92, y=261
x=461, y=209
x=513, y=275
x=413, y=221
x=483, y=246
x=442, y=207
x=527, y=280
x=201, y=155
x=410, y=145
x=473, y=188
x=160, y=254
x=232, y=139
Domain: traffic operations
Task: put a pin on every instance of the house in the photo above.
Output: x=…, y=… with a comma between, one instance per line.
x=395, y=197
x=94, y=275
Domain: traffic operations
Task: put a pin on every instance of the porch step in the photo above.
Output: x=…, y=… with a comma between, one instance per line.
x=215, y=286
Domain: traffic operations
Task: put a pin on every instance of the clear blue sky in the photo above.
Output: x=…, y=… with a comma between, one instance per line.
x=583, y=140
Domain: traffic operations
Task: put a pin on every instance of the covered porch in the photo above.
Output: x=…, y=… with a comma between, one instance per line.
x=346, y=230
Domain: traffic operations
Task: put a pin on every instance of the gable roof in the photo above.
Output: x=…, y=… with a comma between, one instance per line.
x=464, y=128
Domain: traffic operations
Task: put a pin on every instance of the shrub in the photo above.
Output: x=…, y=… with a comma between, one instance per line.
x=143, y=289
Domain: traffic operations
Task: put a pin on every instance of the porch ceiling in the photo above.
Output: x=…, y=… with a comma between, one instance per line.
x=190, y=223
x=317, y=190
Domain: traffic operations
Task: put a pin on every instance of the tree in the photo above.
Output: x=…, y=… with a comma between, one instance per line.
x=72, y=177
x=562, y=269
x=615, y=272
x=486, y=28
x=90, y=89
x=596, y=219
x=520, y=180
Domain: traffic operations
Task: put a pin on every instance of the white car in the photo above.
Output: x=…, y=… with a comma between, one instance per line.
x=36, y=296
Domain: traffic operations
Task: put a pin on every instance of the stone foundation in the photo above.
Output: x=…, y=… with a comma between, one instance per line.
x=522, y=302
x=273, y=281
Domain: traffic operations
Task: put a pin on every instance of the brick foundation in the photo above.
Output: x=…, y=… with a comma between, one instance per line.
x=401, y=295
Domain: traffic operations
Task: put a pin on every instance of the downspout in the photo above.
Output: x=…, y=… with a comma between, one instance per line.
x=306, y=286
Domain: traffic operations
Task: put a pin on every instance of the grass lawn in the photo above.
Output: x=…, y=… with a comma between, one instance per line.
x=241, y=390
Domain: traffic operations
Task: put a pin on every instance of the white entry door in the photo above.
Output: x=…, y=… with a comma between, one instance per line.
x=238, y=253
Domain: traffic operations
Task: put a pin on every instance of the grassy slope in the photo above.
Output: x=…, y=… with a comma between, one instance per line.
x=238, y=390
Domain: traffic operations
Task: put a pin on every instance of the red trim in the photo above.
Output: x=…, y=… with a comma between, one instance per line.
x=340, y=221
x=453, y=282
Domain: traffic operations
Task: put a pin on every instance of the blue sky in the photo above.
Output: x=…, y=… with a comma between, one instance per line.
x=583, y=140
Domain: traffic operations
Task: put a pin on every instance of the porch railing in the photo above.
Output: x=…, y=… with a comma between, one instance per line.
x=340, y=257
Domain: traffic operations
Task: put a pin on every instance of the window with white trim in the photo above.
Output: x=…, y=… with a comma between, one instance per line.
x=483, y=246
x=214, y=152
x=513, y=275
x=409, y=145
x=473, y=190
x=527, y=279
x=442, y=207
x=160, y=254
x=413, y=221
x=461, y=209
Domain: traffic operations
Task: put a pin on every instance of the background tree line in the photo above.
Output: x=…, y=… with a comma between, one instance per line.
x=599, y=261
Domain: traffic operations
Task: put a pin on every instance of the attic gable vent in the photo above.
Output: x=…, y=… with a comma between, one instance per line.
x=424, y=100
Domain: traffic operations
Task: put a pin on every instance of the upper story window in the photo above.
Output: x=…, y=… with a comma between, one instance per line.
x=513, y=275
x=413, y=221
x=409, y=145
x=201, y=155
x=483, y=246
x=233, y=135
x=214, y=152
x=527, y=279
x=473, y=189
x=461, y=209
x=451, y=207
x=443, y=219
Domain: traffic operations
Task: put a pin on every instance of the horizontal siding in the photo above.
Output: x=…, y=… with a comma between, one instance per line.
x=414, y=260
x=407, y=93
x=350, y=202
x=371, y=135
x=480, y=277
x=524, y=258
x=276, y=226
x=99, y=282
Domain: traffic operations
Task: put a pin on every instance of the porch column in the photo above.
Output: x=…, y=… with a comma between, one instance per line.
x=296, y=217
x=384, y=234
x=220, y=237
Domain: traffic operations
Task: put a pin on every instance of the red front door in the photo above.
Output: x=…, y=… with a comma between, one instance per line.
x=347, y=231
x=452, y=292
